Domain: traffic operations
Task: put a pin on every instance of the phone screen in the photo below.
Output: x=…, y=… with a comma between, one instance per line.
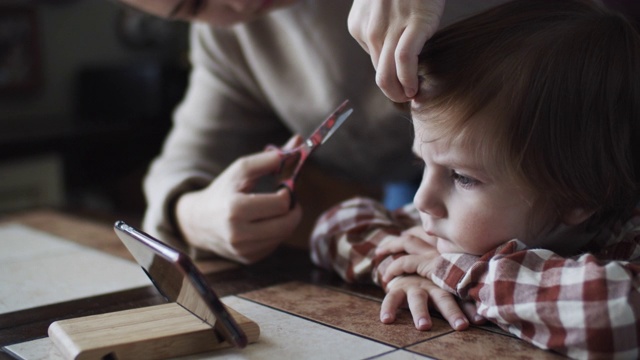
x=178, y=280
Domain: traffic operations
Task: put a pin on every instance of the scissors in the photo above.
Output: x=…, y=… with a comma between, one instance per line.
x=291, y=161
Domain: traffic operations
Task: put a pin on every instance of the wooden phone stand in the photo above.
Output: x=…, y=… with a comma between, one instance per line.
x=155, y=332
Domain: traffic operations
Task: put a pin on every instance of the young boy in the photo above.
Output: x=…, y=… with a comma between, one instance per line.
x=526, y=125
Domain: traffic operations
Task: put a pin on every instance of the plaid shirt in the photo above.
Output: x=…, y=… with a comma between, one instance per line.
x=584, y=306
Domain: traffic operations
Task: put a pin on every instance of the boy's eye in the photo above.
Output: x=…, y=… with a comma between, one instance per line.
x=465, y=182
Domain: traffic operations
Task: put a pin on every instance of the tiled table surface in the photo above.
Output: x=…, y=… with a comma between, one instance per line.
x=53, y=267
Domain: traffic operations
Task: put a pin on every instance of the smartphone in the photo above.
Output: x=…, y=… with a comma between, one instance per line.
x=176, y=277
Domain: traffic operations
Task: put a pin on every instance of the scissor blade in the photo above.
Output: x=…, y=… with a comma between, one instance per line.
x=341, y=118
x=329, y=125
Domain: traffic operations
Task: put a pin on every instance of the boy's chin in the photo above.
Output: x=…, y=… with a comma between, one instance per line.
x=445, y=246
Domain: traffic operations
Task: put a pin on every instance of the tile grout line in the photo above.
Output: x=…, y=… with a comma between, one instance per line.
x=347, y=292
x=381, y=355
x=499, y=331
x=321, y=323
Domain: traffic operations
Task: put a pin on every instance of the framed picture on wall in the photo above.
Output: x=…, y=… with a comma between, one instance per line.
x=20, y=71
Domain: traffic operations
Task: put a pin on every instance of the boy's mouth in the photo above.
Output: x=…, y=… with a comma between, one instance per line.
x=433, y=238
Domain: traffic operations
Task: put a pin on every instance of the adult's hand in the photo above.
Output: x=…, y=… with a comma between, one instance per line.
x=230, y=220
x=393, y=32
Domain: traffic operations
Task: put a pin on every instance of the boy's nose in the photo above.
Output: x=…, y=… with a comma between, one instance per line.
x=429, y=197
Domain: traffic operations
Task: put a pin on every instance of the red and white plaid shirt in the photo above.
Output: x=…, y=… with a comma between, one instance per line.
x=584, y=306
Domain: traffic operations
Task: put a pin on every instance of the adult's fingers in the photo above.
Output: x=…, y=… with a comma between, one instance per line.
x=280, y=227
x=292, y=143
x=247, y=169
x=406, y=59
x=252, y=241
x=368, y=23
x=386, y=74
x=424, y=22
x=258, y=206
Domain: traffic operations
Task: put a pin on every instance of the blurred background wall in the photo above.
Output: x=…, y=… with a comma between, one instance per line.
x=87, y=88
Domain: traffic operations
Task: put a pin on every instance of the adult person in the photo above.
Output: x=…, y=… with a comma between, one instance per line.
x=262, y=71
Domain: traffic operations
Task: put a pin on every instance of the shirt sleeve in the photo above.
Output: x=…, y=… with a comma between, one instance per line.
x=220, y=119
x=586, y=306
x=345, y=238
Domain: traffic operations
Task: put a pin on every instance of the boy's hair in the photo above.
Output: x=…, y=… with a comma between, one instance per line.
x=563, y=79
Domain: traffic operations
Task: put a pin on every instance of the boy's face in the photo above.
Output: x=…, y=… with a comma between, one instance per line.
x=463, y=207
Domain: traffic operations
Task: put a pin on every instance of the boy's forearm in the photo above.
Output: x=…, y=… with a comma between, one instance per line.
x=351, y=254
x=526, y=291
x=345, y=238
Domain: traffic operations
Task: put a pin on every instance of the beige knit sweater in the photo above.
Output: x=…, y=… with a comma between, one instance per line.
x=258, y=83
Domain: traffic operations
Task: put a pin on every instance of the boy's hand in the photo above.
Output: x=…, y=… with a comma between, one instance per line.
x=421, y=254
x=421, y=259
x=418, y=292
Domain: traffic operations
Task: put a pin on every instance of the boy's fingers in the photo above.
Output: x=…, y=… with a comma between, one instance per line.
x=449, y=308
x=471, y=311
x=390, y=304
x=418, y=305
x=390, y=246
x=403, y=265
x=408, y=242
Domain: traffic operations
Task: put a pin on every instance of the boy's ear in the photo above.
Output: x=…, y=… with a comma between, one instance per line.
x=576, y=216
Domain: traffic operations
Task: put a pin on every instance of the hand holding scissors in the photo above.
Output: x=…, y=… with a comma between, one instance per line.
x=291, y=161
x=238, y=215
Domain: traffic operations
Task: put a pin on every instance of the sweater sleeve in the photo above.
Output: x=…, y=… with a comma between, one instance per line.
x=219, y=120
